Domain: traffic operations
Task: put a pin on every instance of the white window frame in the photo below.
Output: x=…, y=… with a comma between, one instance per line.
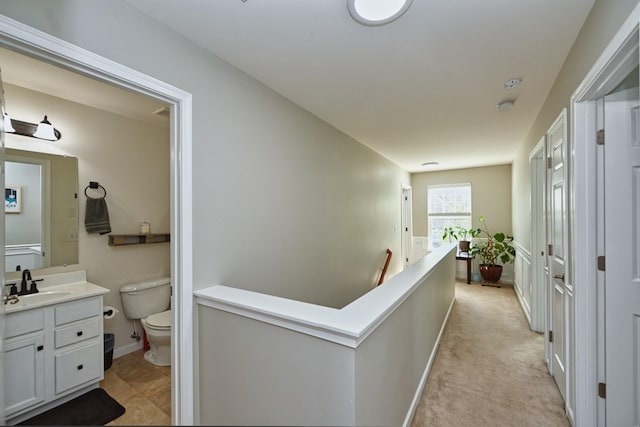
x=437, y=239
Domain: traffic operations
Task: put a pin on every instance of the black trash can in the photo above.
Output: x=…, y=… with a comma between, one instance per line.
x=109, y=340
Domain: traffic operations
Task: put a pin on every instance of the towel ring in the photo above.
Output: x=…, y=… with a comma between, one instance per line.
x=93, y=184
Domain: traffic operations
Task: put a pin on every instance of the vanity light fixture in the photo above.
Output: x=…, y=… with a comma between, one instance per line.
x=377, y=12
x=43, y=130
x=8, y=127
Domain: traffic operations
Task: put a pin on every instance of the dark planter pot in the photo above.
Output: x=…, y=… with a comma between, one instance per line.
x=491, y=273
x=464, y=245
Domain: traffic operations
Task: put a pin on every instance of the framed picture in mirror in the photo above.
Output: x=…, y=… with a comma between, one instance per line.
x=12, y=199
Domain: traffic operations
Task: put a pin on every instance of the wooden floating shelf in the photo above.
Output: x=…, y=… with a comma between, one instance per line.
x=137, y=239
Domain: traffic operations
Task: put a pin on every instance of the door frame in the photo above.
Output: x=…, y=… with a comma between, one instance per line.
x=406, y=228
x=42, y=46
x=45, y=202
x=538, y=169
x=613, y=63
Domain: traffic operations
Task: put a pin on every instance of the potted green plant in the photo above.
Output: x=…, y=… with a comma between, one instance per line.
x=497, y=247
x=462, y=235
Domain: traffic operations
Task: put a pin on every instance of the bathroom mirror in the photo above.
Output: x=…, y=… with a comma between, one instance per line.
x=41, y=210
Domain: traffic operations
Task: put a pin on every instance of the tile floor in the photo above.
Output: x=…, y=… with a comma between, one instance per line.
x=142, y=388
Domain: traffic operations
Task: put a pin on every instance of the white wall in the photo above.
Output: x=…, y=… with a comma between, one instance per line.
x=311, y=210
x=602, y=23
x=271, y=361
x=25, y=227
x=490, y=195
x=130, y=159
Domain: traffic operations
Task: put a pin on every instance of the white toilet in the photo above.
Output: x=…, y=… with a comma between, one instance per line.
x=149, y=301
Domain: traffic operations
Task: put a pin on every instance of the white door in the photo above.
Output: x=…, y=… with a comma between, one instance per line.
x=557, y=238
x=622, y=255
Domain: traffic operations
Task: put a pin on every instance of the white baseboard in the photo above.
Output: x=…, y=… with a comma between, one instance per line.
x=427, y=369
x=126, y=349
x=523, y=305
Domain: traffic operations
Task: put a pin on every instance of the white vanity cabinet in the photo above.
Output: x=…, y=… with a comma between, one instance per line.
x=78, y=354
x=24, y=360
x=52, y=354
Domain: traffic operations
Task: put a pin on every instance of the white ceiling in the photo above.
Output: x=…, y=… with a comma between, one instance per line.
x=423, y=88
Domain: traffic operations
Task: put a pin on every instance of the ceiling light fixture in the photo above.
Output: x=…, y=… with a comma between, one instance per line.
x=377, y=12
x=513, y=83
x=426, y=164
x=505, y=105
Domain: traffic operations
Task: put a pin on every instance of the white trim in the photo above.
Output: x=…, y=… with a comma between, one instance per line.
x=519, y=286
x=583, y=185
x=538, y=263
x=348, y=326
x=43, y=46
x=519, y=248
x=406, y=224
x=425, y=375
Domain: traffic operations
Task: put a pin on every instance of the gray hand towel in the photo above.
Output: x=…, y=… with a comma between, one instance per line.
x=96, y=218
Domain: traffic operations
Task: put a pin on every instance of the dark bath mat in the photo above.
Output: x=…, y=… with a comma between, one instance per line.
x=91, y=409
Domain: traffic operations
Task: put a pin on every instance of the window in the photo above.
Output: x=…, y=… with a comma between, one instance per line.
x=447, y=205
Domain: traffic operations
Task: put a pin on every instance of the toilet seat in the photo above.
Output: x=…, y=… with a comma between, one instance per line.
x=159, y=321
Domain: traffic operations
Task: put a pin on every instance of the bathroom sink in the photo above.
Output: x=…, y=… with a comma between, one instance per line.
x=55, y=289
x=41, y=297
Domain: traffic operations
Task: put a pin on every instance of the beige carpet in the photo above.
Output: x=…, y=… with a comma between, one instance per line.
x=489, y=369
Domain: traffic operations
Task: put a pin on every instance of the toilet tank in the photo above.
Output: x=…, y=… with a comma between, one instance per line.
x=142, y=299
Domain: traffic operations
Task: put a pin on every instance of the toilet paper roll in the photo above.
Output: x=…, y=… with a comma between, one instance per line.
x=109, y=312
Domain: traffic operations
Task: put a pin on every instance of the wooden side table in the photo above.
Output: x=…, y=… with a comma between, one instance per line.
x=465, y=256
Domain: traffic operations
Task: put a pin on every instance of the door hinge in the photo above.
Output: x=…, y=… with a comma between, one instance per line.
x=550, y=336
x=601, y=263
x=550, y=250
x=600, y=137
x=602, y=390
x=548, y=162
x=406, y=259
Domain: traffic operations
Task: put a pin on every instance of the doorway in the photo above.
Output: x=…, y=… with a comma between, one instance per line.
x=621, y=241
x=605, y=188
x=539, y=271
x=26, y=237
x=406, y=228
x=43, y=47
